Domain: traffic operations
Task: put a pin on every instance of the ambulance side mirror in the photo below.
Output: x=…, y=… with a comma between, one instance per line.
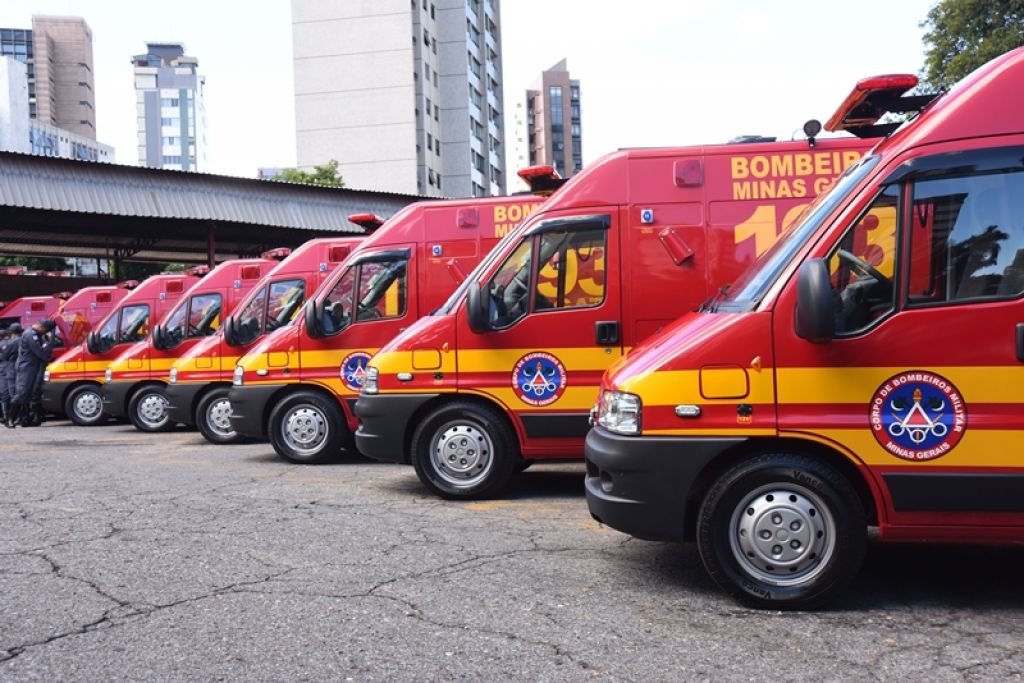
x=160, y=338
x=92, y=342
x=312, y=313
x=815, y=315
x=476, y=308
x=231, y=331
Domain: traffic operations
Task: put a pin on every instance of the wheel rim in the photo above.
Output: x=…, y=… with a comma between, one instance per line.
x=87, y=405
x=462, y=454
x=304, y=429
x=218, y=417
x=151, y=410
x=782, y=534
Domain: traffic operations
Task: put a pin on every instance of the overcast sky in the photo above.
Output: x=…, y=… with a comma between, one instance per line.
x=652, y=72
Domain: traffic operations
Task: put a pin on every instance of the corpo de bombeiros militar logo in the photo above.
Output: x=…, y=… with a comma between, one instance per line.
x=918, y=415
x=539, y=378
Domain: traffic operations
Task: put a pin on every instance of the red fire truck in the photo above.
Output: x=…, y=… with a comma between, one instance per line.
x=860, y=374
x=71, y=384
x=506, y=372
x=298, y=384
x=199, y=381
x=134, y=382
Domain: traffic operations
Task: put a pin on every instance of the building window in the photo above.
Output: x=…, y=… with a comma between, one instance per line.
x=478, y=162
x=437, y=146
x=169, y=102
x=171, y=140
x=167, y=121
x=555, y=100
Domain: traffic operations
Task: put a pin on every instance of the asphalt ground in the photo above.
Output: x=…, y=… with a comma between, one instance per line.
x=127, y=556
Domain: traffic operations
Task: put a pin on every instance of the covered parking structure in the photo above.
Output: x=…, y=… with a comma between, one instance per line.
x=74, y=209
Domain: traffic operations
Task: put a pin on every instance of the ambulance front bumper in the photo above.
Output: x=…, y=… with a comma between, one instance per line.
x=181, y=397
x=248, y=407
x=382, y=424
x=53, y=396
x=115, y=398
x=641, y=485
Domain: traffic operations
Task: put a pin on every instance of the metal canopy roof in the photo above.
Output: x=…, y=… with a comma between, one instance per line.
x=62, y=207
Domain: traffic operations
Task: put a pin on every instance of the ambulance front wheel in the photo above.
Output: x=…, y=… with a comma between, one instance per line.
x=213, y=417
x=307, y=428
x=147, y=409
x=782, y=531
x=463, y=451
x=84, y=405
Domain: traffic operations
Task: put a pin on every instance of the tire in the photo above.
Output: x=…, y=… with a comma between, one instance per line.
x=212, y=417
x=463, y=451
x=147, y=409
x=84, y=405
x=814, y=526
x=307, y=428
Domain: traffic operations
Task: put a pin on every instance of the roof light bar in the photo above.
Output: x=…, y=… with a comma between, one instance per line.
x=367, y=221
x=871, y=99
x=543, y=180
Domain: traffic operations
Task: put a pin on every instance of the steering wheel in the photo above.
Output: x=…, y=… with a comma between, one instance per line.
x=515, y=290
x=863, y=267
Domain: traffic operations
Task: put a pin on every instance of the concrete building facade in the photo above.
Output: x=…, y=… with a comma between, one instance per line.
x=553, y=123
x=404, y=94
x=21, y=133
x=170, y=111
x=57, y=52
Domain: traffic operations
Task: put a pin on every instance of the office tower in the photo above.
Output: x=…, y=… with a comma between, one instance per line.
x=171, y=115
x=58, y=54
x=404, y=94
x=553, y=121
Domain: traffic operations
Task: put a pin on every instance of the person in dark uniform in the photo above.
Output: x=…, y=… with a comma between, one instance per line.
x=8, y=357
x=34, y=353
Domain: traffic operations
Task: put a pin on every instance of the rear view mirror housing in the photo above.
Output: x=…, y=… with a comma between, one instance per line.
x=476, y=308
x=815, y=312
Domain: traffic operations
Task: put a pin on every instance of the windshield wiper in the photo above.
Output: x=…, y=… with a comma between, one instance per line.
x=711, y=304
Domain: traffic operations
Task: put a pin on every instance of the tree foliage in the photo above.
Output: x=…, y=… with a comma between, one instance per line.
x=51, y=263
x=961, y=35
x=327, y=174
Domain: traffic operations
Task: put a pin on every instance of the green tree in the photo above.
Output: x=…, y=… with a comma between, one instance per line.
x=327, y=174
x=35, y=262
x=961, y=35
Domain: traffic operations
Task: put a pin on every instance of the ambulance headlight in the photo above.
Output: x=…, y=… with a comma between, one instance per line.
x=619, y=412
x=238, y=379
x=172, y=378
x=108, y=375
x=46, y=375
x=370, y=385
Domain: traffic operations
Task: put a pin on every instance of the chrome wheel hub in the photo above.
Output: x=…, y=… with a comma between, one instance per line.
x=152, y=410
x=304, y=429
x=782, y=534
x=218, y=417
x=88, y=405
x=462, y=454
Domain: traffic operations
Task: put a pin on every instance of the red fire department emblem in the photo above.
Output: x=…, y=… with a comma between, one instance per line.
x=539, y=378
x=918, y=415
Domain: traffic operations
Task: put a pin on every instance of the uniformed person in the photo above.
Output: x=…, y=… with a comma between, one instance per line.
x=34, y=354
x=8, y=357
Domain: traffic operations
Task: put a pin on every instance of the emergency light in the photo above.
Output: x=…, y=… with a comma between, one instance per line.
x=250, y=272
x=198, y=271
x=367, y=221
x=279, y=254
x=128, y=284
x=871, y=99
x=64, y=295
x=543, y=180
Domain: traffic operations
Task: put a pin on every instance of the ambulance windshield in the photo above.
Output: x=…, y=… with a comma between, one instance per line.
x=752, y=286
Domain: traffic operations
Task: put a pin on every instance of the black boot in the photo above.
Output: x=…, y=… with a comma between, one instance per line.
x=13, y=415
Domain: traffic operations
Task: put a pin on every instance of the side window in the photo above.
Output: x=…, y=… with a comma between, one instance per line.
x=382, y=289
x=967, y=239
x=134, y=324
x=337, y=305
x=572, y=269
x=285, y=301
x=250, y=320
x=863, y=264
x=108, y=331
x=204, y=315
x=509, y=289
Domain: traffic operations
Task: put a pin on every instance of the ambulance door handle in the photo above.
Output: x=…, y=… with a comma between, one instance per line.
x=606, y=332
x=1020, y=342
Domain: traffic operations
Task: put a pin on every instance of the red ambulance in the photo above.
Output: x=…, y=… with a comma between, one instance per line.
x=28, y=310
x=134, y=382
x=860, y=374
x=199, y=381
x=80, y=312
x=71, y=384
x=297, y=385
x=506, y=371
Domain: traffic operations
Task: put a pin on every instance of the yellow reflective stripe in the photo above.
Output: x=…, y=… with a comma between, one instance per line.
x=393, y=362
x=330, y=358
x=683, y=386
x=1000, y=384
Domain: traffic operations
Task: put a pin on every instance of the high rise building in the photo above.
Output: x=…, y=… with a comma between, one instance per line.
x=58, y=54
x=404, y=94
x=554, y=130
x=171, y=114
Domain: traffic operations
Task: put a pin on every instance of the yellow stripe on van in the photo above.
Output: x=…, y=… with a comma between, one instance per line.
x=857, y=385
x=683, y=386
